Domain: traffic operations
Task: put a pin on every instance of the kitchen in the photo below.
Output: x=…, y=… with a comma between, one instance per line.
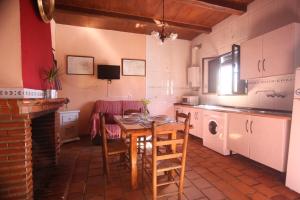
x=234, y=65
x=244, y=104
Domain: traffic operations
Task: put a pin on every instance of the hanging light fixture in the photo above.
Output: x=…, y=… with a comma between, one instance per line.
x=163, y=35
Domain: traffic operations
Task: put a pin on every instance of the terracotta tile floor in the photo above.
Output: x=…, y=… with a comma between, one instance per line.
x=209, y=175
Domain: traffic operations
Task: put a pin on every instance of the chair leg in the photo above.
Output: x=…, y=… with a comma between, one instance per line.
x=107, y=170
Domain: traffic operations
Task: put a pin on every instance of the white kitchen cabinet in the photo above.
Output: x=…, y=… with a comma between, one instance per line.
x=269, y=141
x=68, y=125
x=238, y=138
x=260, y=138
x=251, y=56
x=196, y=121
x=274, y=53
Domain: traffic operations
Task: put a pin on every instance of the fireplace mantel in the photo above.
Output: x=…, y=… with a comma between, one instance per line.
x=11, y=108
x=19, y=119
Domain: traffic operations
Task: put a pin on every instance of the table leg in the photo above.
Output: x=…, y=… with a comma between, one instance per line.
x=133, y=160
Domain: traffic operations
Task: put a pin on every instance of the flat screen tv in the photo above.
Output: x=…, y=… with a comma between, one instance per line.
x=108, y=72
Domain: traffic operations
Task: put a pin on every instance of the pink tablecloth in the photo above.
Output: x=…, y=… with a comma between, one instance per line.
x=110, y=108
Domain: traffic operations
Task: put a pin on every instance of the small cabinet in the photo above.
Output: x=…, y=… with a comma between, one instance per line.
x=68, y=125
x=196, y=121
x=260, y=138
x=274, y=53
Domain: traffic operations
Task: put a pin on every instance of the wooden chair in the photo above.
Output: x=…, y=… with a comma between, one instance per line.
x=111, y=148
x=172, y=162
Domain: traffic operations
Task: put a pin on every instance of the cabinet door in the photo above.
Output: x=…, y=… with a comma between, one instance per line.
x=269, y=141
x=194, y=122
x=199, y=123
x=238, y=133
x=251, y=59
x=279, y=51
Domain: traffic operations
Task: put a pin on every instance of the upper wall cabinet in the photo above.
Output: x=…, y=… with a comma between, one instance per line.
x=274, y=53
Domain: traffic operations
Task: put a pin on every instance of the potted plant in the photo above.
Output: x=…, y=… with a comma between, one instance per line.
x=50, y=76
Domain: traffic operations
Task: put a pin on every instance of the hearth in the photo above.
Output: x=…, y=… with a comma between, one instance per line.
x=29, y=146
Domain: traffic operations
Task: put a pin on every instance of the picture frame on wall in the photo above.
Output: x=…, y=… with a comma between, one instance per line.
x=80, y=65
x=133, y=67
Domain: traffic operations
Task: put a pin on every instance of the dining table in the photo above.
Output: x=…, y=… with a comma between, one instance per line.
x=133, y=131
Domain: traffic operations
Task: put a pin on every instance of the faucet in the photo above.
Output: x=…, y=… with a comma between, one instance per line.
x=272, y=94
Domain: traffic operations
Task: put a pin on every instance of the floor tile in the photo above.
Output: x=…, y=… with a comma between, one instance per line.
x=213, y=193
x=209, y=175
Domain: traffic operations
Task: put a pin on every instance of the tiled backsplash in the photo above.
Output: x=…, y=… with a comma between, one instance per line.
x=269, y=93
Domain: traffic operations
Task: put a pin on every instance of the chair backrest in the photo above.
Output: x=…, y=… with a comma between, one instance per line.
x=173, y=152
x=180, y=117
x=130, y=111
x=170, y=129
x=103, y=134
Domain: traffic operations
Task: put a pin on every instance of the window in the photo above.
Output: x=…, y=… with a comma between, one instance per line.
x=223, y=74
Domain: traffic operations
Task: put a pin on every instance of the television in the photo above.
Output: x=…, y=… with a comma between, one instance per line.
x=108, y=72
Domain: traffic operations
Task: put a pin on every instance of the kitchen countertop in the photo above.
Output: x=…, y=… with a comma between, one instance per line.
x=243, y=110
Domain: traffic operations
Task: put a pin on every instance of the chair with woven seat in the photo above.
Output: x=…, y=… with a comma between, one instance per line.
x=170, y=163
x=111, y=148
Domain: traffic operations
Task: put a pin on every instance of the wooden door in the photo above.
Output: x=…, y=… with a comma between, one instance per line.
x=279, y=51
x=269, y=141
x=251, y=59
x=238, y=133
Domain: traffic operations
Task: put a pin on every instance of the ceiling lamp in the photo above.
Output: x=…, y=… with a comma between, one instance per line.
x=163, y=35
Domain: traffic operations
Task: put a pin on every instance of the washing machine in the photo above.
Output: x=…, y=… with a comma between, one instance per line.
x=215, y=131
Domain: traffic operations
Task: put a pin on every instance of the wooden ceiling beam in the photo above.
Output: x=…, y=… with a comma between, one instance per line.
x=233, y=8
x=96, y=12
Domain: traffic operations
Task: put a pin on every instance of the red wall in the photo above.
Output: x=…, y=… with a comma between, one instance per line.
x=36, y=46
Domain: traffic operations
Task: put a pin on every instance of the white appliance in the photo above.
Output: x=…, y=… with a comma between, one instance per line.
x=293, y=166
x=215, y=131
x=194, y=77
x=190, y=100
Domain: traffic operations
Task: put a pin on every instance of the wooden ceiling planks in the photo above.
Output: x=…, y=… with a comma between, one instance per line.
x=188, y=18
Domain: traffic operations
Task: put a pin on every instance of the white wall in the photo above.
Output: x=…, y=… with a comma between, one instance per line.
x=166, y=73
x=107, y=47
x=262, y=16
x=10, y=45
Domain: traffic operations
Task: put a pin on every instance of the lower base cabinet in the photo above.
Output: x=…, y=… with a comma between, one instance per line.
x=68, y=125
x=260, y=138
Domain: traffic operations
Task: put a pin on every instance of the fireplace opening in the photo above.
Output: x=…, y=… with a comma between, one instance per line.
x=43, y=152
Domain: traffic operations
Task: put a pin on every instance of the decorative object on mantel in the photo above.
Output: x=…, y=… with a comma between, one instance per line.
x=80, y=65
x=46, y=9
x=163, y=35
x=133, y=67
x=20, y=93
x=51, y=76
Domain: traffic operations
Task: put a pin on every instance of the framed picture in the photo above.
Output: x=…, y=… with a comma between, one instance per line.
x=80, y=65
x=133, y=67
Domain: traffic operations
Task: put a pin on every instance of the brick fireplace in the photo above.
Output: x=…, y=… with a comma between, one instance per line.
x=29, y=145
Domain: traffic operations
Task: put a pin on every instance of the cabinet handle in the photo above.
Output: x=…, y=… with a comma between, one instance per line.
x=251, y=123
x=263, y=64
x=258, y=65
x=246, y=125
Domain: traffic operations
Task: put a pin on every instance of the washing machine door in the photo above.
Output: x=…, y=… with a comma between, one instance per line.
x=212, y=127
